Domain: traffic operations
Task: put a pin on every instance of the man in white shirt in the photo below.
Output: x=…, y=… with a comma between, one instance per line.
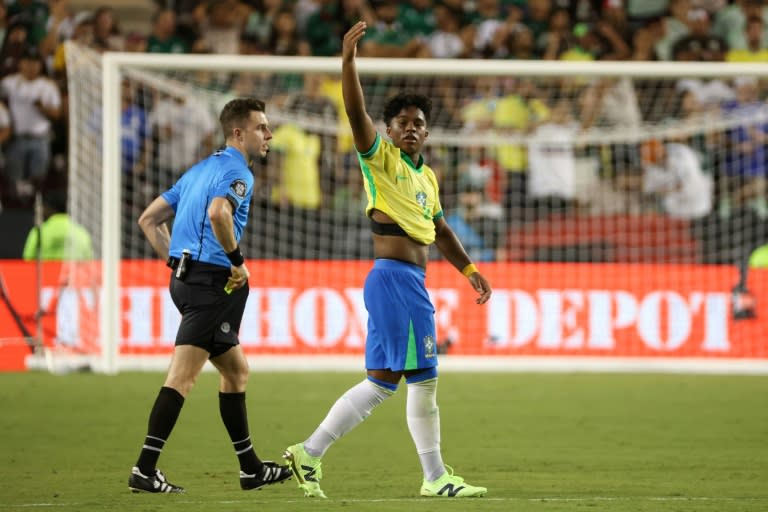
x=34, y=101
x=684, y=189
x=185, y=130
x=551, y=157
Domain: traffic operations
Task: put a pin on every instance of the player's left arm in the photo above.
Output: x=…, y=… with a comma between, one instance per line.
x=153, y=222
x=449, y=246
x=221, y=212
x=232, y=192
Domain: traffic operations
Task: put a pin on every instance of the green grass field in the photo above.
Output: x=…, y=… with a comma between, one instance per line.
x=540, y=442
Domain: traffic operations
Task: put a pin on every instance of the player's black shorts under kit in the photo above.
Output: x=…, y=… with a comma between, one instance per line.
x=210, y=317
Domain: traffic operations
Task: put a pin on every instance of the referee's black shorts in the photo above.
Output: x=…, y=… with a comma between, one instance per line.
x=210, y=317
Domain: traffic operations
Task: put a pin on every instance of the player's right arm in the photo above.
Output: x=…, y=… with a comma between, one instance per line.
x=153, y=223
x=363, y=129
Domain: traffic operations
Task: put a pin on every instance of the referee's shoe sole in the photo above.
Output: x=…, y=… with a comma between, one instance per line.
x=139, y=482
x=271, y=474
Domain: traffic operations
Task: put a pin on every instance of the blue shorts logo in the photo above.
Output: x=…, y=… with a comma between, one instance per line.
x=429, y=347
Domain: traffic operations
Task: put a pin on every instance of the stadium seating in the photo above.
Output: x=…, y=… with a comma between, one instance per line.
x=648, y=238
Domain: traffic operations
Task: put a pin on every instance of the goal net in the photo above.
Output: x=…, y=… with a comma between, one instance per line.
x=614, y=207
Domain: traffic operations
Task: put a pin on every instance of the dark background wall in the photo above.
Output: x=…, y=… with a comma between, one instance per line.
x=14, y=227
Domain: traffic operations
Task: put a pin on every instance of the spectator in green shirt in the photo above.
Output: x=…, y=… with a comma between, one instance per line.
x=61, y=238
x=163, y=38
x=417, y=17
x=388, y=38
x=33, y=14
x=324, y=29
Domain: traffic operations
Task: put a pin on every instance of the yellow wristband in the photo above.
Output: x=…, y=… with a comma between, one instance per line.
x=469, y=270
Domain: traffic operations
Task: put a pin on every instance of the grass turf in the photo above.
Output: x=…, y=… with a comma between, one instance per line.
x=540, y=442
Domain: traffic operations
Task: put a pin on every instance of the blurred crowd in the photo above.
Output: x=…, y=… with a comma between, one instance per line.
x=704, y=177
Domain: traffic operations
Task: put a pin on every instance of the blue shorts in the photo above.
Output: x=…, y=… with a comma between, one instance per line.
x=401, y=318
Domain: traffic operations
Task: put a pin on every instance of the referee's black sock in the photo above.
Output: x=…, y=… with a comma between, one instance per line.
x=235, y=418
x=163, y=417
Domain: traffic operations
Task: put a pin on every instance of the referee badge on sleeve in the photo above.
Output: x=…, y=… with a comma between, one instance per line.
x=238, y=187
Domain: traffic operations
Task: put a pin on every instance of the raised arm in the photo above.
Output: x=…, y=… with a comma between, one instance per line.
x=363, y=130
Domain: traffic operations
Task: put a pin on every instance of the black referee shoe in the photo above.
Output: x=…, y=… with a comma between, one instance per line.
x=271, y=474
x=139, y=482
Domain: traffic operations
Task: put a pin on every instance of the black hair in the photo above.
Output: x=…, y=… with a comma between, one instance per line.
x=56, y=201
x=397, y=103
x=237, y=111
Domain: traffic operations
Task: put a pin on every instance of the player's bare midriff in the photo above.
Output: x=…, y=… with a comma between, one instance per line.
x=400, y=248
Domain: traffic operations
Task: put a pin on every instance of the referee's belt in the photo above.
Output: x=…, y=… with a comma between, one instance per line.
x=173, y=262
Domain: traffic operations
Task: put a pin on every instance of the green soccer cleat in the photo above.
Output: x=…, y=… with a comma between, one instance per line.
x=306, y=469
x=451, y=486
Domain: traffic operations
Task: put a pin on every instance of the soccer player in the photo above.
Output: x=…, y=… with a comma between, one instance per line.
x=406, y=218
x=209, y=286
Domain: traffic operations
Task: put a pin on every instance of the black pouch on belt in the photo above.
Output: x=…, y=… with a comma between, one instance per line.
x=183, y=266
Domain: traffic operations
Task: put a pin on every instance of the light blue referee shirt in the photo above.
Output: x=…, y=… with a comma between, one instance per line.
x=223, y=174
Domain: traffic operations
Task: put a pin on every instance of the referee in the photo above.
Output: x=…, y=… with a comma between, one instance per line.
x=209, y=285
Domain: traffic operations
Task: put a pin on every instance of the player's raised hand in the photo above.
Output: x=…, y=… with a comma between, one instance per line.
x=481, y=286
x=353, y=35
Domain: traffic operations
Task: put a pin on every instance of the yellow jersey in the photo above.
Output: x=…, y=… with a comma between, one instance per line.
x=300, y=178
x=747, y=55
x=408, y=193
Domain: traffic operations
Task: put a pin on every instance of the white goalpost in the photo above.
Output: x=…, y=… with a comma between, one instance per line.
x=560, y=178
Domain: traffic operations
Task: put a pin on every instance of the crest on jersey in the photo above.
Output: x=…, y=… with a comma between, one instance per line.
x=238, y=187
x=430, y=348
x=421, y=198
x=225, y=328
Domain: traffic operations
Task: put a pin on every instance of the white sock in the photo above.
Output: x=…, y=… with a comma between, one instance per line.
x=348, y=412
x=424, y=423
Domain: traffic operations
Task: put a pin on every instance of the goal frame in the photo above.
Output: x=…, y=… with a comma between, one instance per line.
x=114, y=62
